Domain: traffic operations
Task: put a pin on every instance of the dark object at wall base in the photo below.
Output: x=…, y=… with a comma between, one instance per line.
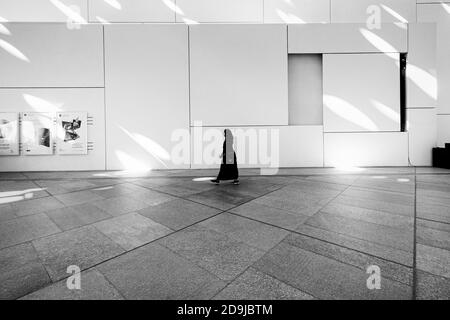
x=441, y=157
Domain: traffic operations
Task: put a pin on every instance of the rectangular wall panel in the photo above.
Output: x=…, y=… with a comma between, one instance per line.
x=363, y=10
x=296, y=11
x=51, y=55
x=238, y=74
x=131, y=11
x=443, y=127
x=361, y=92
x=440, y=14
x=305, y=89
x=421, y=69
x=366, y=149
x=147, y=98
x=219, y=10
x=260, y=147
x=53, y=101
x=347, y=38
x=422, y=129
x=43, y=10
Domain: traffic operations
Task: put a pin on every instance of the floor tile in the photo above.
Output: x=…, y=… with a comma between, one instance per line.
x=7, y=212
x=378, y=195
x=25, y=229
x=274, y=216
x=94, y=286
x=222, y=256
x=433, y=237
x=219, y=199
x=78, y=197
x=20, y=272
x=379, y=205
x=29, y=207
x=178, y=214
x=154, y=272
x=120, y=205
x=433, y=212
x=325, y=278
x=251, y=232
x=132, y=230
x=151, y=197
x=255, y=285
x=431, y=287
x=83, y=247
x=433, y=260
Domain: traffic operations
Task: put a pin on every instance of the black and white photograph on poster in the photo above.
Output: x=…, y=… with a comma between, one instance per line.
x=9, y=133
x=37, y=133
x=71, y=133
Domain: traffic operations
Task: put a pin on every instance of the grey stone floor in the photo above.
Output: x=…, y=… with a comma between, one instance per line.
x=301, y=234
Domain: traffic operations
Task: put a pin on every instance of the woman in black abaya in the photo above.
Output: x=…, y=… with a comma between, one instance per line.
x=228, y=168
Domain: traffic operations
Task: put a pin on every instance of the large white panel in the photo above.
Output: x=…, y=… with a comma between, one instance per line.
x=305, y=89
x=239, y=74
x=131, y=11
x=260, y=147
x=56, y=100
x=297, y=11
x=363, y=10
x=347, y=38
x=440, y=13
x=443, y=127
x=146, y=94
x=422, y=129
x=51, y=55
x=366, y=149
x=361, y=92
x=421, y=69
x=219, y=10
x=43, y=10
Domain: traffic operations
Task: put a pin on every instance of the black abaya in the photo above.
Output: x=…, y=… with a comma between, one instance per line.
x=228, y=168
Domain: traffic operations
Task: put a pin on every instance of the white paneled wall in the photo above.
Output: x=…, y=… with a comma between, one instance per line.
x=422, y=129
x=131, y=11
x=347, y=38
x=51, y=55
x=305, y=89
x=147, y=96
x=296, y=11
x=363, y=10
x=219, y=10
x=238, y=74
x=261, y=146
x=443, y=129
x=421, y=75
x=43, y=10
x=366, y=149
x=361, y=92
x=89, y=100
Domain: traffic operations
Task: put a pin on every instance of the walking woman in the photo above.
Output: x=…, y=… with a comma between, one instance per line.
x=228, y=168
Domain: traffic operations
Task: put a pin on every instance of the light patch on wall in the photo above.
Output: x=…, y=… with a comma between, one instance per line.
x=4, y=30
x=423, y=79
x=446, y=7
x=131, y=164
x=8, y=47
x=41, y=105
x=102, y=20
x=289, y=17
x=379, y=43
x=386, y=111
x=172, y=6
x=394, y=13
x=349, y=112
x=68, y=12
x=114, y=3
x=150, y=146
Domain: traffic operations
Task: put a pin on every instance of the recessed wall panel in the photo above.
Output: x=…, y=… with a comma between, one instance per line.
x=296, y=11
x=238, y=75
x=422, y=85
x=305, y=89
x=43, y=10
x=88, y=100
x=422, y=130
x=147, y=101
x=443, y=127
x=131, y=11
x=219, y=11
x=361, y=92
x=51, y=55
x=367, y=10
x=366, y=149
x=260, y=147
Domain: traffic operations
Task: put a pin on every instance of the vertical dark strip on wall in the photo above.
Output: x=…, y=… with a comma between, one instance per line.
x=403, y=60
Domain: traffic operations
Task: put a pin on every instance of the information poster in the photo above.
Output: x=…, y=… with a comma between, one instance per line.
x=9, y=133
x=37, y=133
x=72, y=133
